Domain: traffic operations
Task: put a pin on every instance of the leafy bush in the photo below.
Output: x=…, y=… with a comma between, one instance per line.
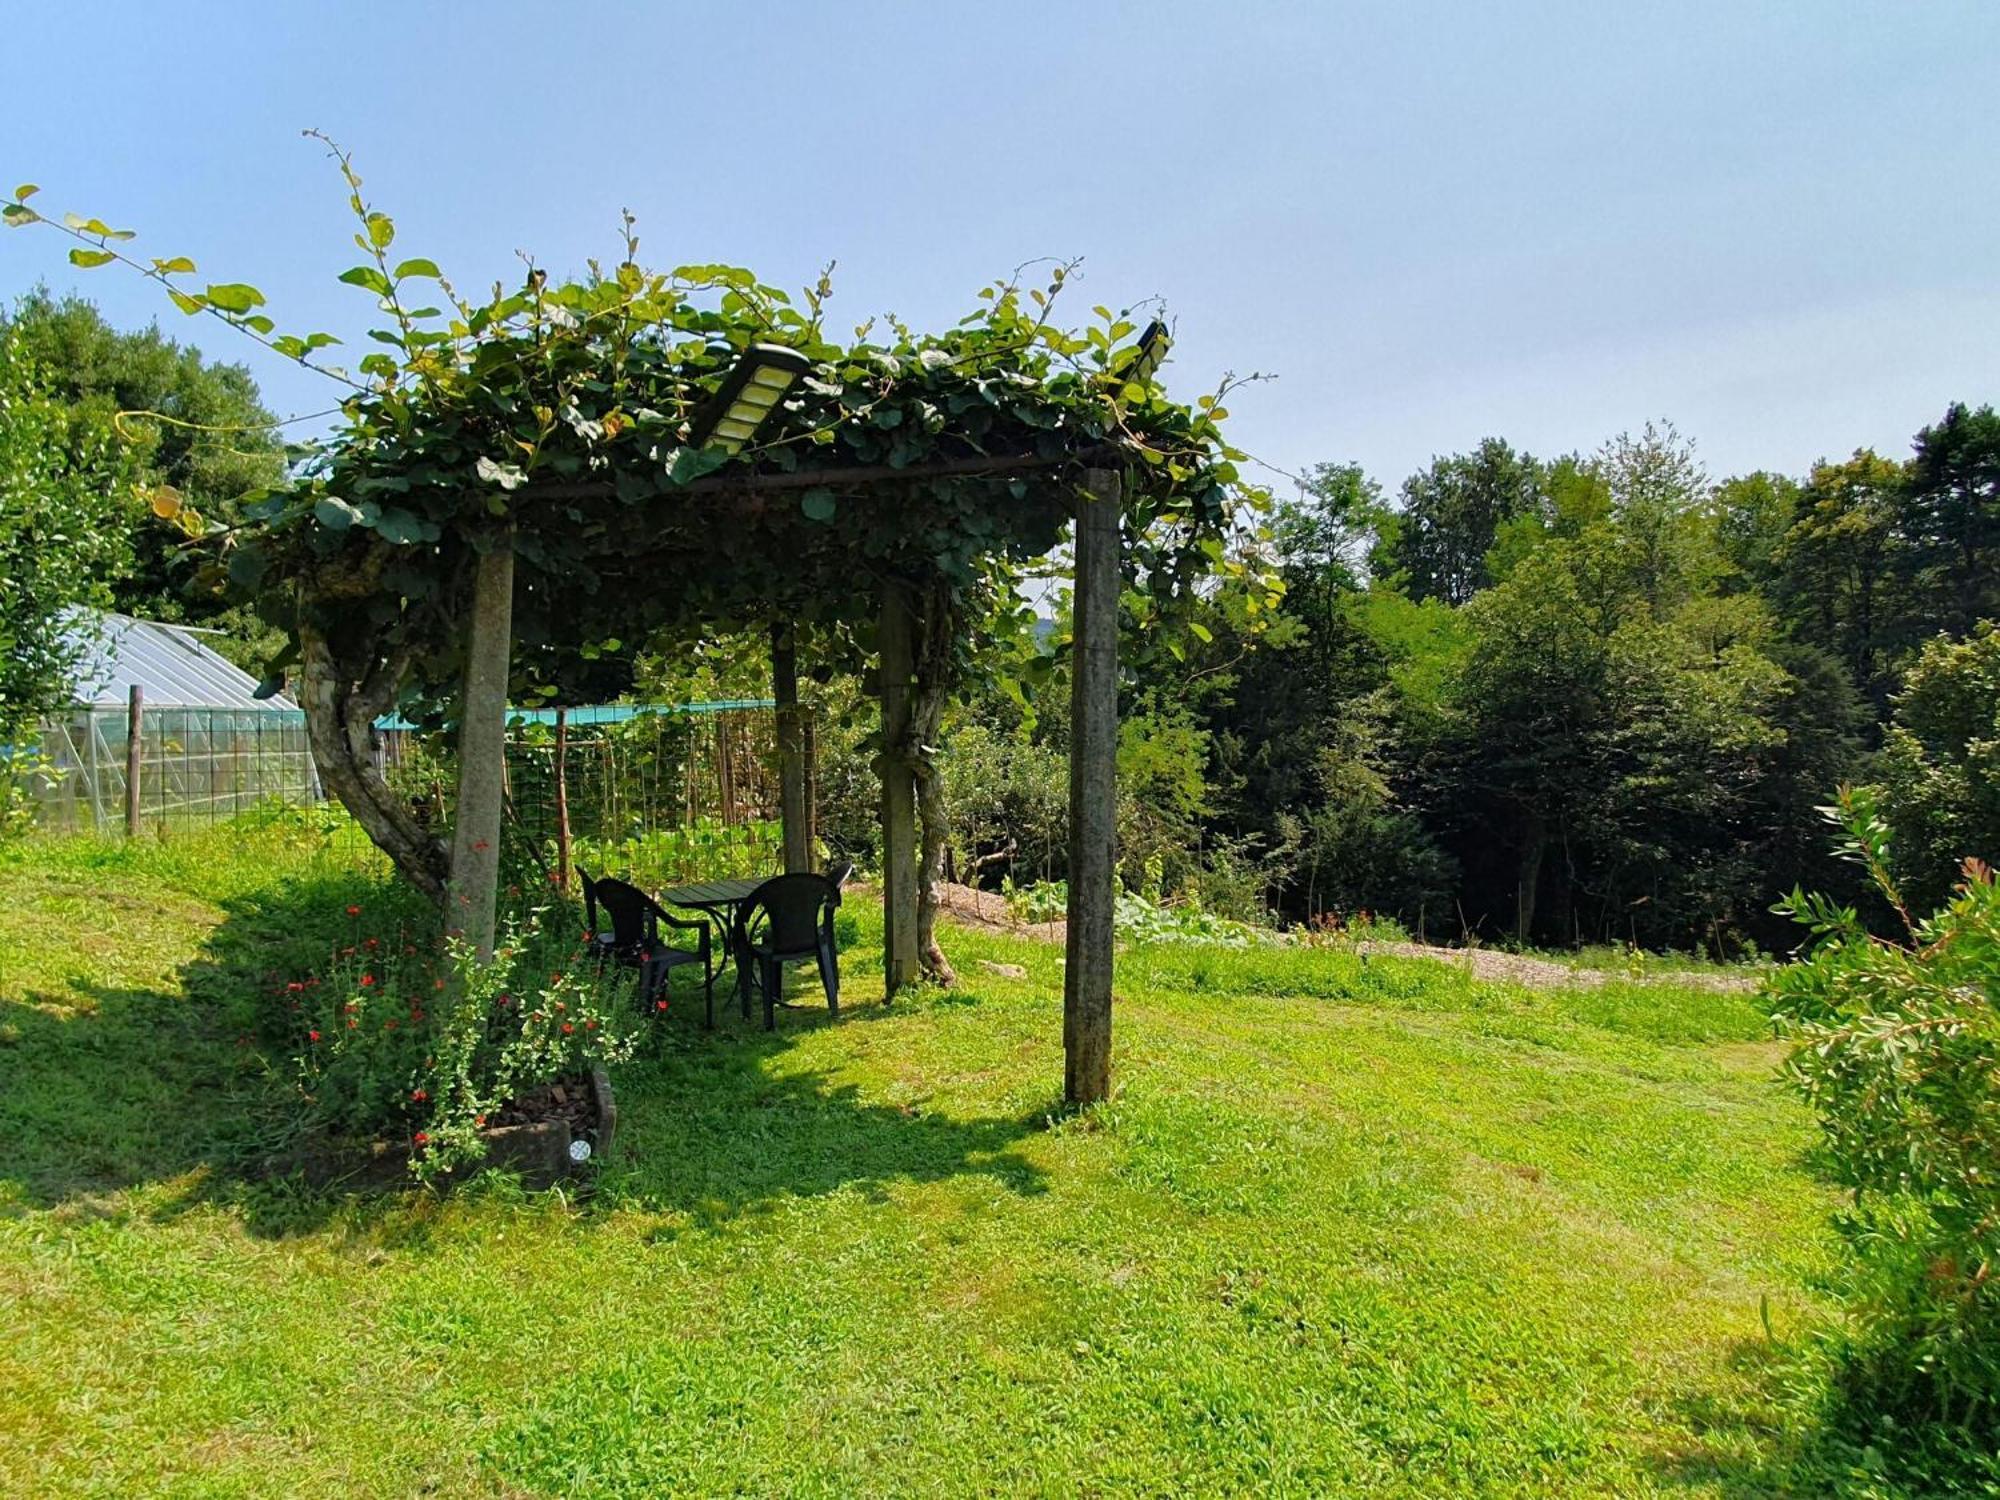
x=1898, y=1050
x=1349, y=930
x=25, y=774
x=1940, y=765
x=406, y=1040
x=1139, y=919
x=707, y=849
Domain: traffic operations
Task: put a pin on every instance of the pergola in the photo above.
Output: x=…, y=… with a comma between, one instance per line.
x=576, y=473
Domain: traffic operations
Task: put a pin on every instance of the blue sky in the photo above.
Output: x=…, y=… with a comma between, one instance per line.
x=1774, y=224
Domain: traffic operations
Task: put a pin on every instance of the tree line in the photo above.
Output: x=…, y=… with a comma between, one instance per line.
x=1584, y=699
x=1595, y=698
x=1599, y=698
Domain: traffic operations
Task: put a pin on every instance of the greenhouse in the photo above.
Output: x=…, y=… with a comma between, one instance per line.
x=164, y=730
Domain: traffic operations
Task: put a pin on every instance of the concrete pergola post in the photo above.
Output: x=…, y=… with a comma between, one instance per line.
x=472, y=896
x=791, y=749
x=896, y=648
x=1093, y=791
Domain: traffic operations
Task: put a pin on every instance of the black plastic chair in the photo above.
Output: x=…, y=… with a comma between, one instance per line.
x=787, y=919
x=635, y=941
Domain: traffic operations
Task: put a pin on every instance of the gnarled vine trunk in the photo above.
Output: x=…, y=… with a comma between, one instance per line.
x=343, y=693
x=937, y=631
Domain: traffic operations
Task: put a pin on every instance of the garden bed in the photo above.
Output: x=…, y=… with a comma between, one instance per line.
x=535, y=1134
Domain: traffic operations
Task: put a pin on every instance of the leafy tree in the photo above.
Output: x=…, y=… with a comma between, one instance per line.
x=1753, y=512
x=1952, y=502
x=1530, y=705
x=1658, y=491
x=196, y=427
x=66, y=519
x=1842, y=566
x=1451, y=514
x=1897, y=1048
x=1940, y=764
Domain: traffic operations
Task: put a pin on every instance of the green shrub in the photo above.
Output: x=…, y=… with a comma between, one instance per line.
x=1139, y=919
x=1940, y=762
x=706, y=849
x=1897, y=1047
x=416, y=1042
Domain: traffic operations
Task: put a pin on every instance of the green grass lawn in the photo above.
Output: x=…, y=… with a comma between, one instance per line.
x=1348, y=1227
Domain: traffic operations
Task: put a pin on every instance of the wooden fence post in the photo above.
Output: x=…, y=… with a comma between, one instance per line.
x=135, y=745
x=899, y=792
x=1093, y=792
x=725, y=767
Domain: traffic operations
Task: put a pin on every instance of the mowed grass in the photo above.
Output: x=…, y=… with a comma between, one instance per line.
x=1347, y=1228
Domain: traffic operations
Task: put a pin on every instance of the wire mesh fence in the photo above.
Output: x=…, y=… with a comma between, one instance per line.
x=614, y=775
x=194, y=766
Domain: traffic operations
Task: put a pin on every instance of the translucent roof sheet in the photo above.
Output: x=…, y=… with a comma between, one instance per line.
x=168, y=662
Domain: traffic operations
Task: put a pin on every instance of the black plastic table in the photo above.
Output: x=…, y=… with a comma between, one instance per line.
x=717, y=900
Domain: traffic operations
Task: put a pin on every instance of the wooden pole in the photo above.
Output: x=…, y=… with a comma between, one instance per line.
x=1093, y=792
x=562, y=799
x=791, y=749
x=899, y=792
x=472, y=897
x=725, y=770
x=810, y=740
x=135, y=745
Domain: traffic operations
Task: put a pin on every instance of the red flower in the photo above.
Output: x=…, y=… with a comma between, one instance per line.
x=419, y=1095
x=294, y=987
x=438, y=984
x=354, y=911
x=590, y=1026
x=568, y=1028
x=314, y=1035
x=372, y=943
x=366, y=980
x=659, y=1005
x=421, y=1138
x=479, y=1119
x=352, y=1023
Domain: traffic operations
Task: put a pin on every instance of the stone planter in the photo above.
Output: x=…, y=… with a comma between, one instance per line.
x=540, y=1152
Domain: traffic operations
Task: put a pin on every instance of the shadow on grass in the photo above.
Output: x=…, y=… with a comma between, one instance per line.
x=1809, y=1419
x=105, y=1089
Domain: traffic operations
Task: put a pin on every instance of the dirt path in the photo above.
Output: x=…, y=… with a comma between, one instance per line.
x=977, y=908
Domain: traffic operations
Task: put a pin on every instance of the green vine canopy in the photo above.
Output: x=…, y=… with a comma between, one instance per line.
x=565, y=419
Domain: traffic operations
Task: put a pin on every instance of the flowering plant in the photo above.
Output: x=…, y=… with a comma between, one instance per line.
x=423, y=1043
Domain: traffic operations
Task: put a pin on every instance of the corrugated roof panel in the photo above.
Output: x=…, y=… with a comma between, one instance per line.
x=169, y=663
